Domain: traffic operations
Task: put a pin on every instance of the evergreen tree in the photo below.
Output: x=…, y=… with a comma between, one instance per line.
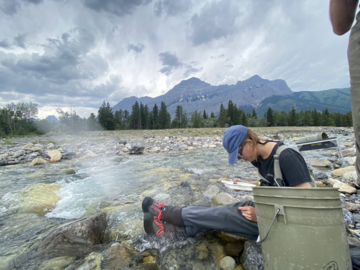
x=222, y=116
x=155, y=113
x=184, y=119
x=204, y=115
x=270, y=117
x=92, y=123
x=126, y=119
x=230, y=113
x=164, y=118
x=135, y=116
x=292, y=117
x=145, y=120
x=196, y=119
x=106, y=117
x=254, y=115
x=212, y=115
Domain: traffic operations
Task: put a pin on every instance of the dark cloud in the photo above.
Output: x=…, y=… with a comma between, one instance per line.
x=5, y=44
x=117, y=7
x=20, y=40
x=10, y=7
x=215, y=21
x=61, y=62
x=136, y=48
x=170, y=62
x=171, y=7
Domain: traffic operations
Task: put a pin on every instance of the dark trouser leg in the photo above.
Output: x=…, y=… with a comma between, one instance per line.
x=226, y=218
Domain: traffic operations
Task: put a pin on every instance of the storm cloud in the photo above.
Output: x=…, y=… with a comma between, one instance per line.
x=81, y=52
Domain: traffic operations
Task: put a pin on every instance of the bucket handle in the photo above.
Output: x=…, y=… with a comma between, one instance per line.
x=259, y=241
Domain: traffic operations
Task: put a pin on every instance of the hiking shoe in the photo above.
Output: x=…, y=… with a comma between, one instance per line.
x=154, y=208
x=152, y=225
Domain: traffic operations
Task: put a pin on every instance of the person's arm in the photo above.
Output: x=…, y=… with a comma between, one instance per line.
x=307, y=184
x=342, y=14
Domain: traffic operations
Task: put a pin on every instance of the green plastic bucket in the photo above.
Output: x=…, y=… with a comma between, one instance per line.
x=307, y=233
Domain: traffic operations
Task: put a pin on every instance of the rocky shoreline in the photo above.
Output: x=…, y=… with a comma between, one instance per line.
x=91, y=242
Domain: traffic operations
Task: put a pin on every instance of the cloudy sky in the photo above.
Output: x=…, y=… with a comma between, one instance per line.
x=62, y=53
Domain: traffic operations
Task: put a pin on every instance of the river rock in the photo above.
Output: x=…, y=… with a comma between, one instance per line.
x=19, y=153
x=37, y=161
x=50, y=146
x=350, y=178
x=348, y=218
x=57, y=263
x=76, y=238
x=55, y=156
x=3, y=162
x=350, y=160
x=353, y=242
x=224, y=198
x=348, y=153
x=202, y=251
x=136, y=150
x=28, y=147
x=320, y=162
x=251, y=258
x=211, y=191
x=92, y=262
x=344, y=188
x=117, y=257
x=342, y=171
x=39, y=198
x=227, y=263
x=352, y=207
x=131, y=228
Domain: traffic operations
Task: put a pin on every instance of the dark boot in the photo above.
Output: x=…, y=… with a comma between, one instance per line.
x=152, y=207
x=153, y=226
x=172, y=214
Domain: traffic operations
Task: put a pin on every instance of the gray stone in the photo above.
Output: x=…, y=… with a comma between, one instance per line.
x=136, y=150
x=320, y=175
x=76, y=238
x=3, y=162
x=251, y=258
x=350, y=178
x=348, y=217
x=122, y=142
x=211, y=191
x=224, y=198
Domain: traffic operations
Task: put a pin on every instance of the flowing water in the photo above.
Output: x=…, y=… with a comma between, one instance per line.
x=177, y=178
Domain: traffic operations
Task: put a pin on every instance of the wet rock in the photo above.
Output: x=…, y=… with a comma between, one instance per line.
x=19, y=153
x=202, y=252
x=89, y=154
x=76, y=238
x=320, y=184
x=320, y=162
x=69, y=155
x=37, y=161
x=211, y=191
x=356, y=218
x=117, y=257
x=230, y=238
x=234, y=248
x=68, y=171
x=50, y=146
x=227, y=263
x=344, y=188
x=185, y=184
x=136, y=150
x=342, y=171
x=39, y=198
x=350, y=178
x=348, y=218
x=333, y=159
x=251, y=258
x=149, y=259
x=92, y=262
x=131, y=228
x=224, y=198
x=118, y=159
x=57, y=263
x=55, y=156
x=146, y=266
x=348, y=153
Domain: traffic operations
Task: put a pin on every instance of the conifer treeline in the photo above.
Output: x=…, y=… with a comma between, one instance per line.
x=143, y=118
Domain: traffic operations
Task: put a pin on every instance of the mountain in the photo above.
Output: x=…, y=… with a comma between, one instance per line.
x=335, y=100
x=52, y=119
x=194, y=94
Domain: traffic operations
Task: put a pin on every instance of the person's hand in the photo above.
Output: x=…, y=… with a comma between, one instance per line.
x=248, y=212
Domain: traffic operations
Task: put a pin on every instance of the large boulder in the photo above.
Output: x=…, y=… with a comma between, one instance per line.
x=350, y=178
x=343, y=188
x=342, y=171
x=54, y=155
x=76, y=238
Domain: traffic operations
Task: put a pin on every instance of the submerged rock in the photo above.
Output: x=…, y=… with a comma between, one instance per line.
x=75, y=238
x=117, y=257
x=57, y=263
x=39, y=198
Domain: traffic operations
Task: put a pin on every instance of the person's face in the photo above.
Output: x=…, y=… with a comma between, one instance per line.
x=247, y=151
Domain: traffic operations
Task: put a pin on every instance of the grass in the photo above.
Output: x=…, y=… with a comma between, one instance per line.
x=8, y=142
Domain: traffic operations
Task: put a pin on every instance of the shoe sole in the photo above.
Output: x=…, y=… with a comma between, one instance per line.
x=146, y=203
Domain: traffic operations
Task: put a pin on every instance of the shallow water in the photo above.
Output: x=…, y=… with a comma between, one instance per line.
x=102, y=183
